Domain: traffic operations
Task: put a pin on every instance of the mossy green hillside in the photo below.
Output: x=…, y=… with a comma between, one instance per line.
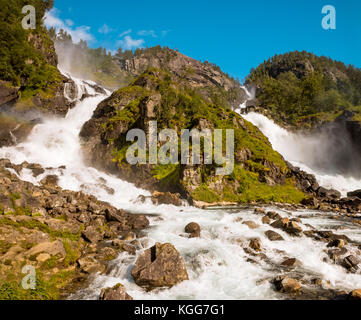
x=183, y=107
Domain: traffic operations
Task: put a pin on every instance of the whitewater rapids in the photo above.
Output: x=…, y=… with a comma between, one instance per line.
x=217, y=265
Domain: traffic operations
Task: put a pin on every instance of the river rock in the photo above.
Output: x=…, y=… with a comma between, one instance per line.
x=159, y=266
x=354, y=295
x=50, y=180
x=118, y=292
x=259, y=211
x=92, y=235
x=251, y=224
x=286, y=285
x=255, y=244
x=193, y=229
x=310, y=202
x=166, y=198
x=356, y=193
x=291, y=262
x=273, y=236
x=339, y=243
x=351, y=263
x=293, y=228
x=328, y=193
x=273, y=215
x=280, y=223
x=90, y=265
x=266, y=220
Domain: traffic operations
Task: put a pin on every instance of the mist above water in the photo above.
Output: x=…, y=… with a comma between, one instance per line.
x=328, y=153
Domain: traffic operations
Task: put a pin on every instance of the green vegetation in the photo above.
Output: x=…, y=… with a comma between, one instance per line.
x=22, y=63
x=35, y=224
x=182, y=107
x=203, y=193
x=47, y=288
x=300, y=87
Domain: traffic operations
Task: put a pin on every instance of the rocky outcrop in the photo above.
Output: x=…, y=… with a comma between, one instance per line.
x=204, y=76
x=159, y=266
x=57, y=231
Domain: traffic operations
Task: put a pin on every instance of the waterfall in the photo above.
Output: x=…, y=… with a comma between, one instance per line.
x=217, y=265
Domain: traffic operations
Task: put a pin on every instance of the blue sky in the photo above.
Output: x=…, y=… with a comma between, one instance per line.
x=235, y=34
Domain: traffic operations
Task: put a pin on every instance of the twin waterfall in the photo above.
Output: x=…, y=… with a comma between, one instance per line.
x=217, y=265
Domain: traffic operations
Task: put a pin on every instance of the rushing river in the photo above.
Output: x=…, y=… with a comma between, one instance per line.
x=217, y=265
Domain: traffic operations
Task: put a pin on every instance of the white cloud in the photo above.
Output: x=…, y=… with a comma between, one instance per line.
x=165, y=32
x=77, y=34
x=128, y=43
x=147, y=33
x=125, y=33
x=105, y=29
x=69, y=22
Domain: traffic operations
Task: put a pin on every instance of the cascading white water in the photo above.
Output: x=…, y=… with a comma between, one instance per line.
x=305, y=151
x=218, y=266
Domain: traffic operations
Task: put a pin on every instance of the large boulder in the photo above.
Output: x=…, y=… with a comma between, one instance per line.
x=356, y=193
x=159, y=266
x=118, y=292
x=166, y=198
x=354, y=295
x=328, y=193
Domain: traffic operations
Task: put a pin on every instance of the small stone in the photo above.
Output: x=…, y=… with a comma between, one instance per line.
x=296, y=220
x=273, y=215
x=291, y=262
x=273, y=236
x=92, y=235
x=259, y=211
x=42, y=257
x=266, y=220
x=251, y=224
x=255, y=244
x=193, y=229
x=293, y=228
x=129, y=248
x=287, y=285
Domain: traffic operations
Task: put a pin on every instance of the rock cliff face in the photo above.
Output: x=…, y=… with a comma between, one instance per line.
x=260, y=173
x=205, y=76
